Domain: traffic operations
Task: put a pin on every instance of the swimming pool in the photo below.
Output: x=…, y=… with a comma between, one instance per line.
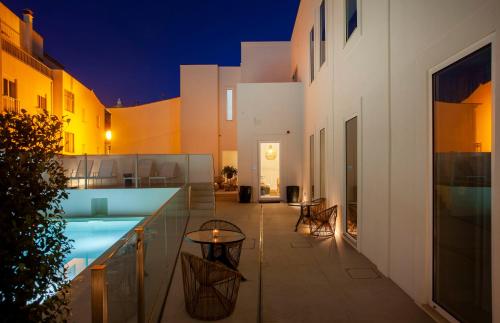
x=92, y=237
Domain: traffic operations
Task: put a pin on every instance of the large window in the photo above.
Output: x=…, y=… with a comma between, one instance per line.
x=311, y=165
x=311, y=53
x=69, y=142
x=462, y=108
x=351, y=177
x=351, y=17
x=229, y=104
x=69, y=101
x=322, y=163
x=322, y=31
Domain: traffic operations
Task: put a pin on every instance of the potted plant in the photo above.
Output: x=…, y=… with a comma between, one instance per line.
x=229, y=171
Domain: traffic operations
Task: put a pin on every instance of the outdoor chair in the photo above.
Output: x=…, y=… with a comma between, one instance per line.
x=210, y=289
x=143, y=171
x=105, y=171
x=79, y=173
x=322, y=224
x=167, y=171
x=233, y=250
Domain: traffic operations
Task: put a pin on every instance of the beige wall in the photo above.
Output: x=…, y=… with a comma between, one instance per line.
x=152, y=128
x=266, y=111
x=87, y=120
x=263, y=62
x=200, y=110
x=229, y=77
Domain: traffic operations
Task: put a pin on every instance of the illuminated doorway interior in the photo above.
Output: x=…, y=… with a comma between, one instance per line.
x=269, y=172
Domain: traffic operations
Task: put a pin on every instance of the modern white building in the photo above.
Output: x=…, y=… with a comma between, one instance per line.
x=386, y=109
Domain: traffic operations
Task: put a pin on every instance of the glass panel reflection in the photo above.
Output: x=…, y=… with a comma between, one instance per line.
x=462, y=187
x=351, y=141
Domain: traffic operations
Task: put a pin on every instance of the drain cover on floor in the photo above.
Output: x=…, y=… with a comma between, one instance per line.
x=248, y=244
x=362, y=273
x=300, y=244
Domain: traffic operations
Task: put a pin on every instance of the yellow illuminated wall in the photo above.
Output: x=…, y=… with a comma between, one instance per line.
x=466, y=126
x=152, y=128
x=87, y=119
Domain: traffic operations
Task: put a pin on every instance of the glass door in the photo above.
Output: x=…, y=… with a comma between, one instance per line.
x=269, y=172
x=322, y=163
x=351, y=178
x=462, y=136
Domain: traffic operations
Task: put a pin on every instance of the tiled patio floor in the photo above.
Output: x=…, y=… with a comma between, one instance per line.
x=304, y=279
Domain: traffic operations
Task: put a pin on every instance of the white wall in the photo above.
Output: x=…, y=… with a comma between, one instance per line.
x=382, y=75
x=265, y=113
x=200, y=110
x=265, y=62
x=121, y=202
x=229, y=77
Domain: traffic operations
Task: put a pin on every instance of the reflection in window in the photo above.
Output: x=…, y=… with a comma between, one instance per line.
x=322, y=163
x=351, y=19
x=311, y=165
x=462, y=187
x=351, y=152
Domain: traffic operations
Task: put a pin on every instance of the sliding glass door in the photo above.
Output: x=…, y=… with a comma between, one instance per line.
x=351, y=171
x=462, y=108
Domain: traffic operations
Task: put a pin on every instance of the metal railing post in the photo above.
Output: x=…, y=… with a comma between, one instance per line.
x=188, y=168
x=86, y=172
x=98, y=294
x=137, y=171
x=139, y=231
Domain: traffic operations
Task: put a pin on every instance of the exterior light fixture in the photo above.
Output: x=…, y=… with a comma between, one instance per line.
x=270, y=153
x=109, y=135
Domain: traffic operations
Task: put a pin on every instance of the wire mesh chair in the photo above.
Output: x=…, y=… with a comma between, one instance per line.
x=233, y=250
x=210, y=289
x=304, y=212
x=320, y=223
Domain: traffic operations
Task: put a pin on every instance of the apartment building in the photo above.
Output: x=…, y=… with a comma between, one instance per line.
x=34, y=81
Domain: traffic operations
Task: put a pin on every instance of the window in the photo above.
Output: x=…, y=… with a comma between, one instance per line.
x=10, y=88
x=461, y=217
x=98, y=121
x=322, y=163
x=351, y=17
x=69, y=142
x=322, y=31
x=69, y=101
x=351, y=177
x=311, y=165
x=42, y=102
x=311, y=53
x=229, y=104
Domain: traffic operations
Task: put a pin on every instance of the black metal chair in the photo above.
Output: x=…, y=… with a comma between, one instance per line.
x=233, y=250
x=210, y=289
x=320, y=224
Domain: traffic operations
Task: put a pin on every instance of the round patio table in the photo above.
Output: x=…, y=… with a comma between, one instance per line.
x=216, y=238
x=308, y=205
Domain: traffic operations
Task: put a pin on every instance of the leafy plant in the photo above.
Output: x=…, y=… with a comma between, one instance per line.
x=229, y=171
x=33, y=282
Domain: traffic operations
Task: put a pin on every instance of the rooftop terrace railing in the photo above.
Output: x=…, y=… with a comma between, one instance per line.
x=25, y=57
x=131, y=281
x=136, y=171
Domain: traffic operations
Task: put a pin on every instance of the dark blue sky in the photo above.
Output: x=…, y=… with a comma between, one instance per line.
x=132, y=49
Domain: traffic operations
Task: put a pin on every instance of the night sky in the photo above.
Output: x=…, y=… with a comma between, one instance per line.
x=132, y=49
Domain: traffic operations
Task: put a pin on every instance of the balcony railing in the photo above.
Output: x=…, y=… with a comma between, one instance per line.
x=11, y=104
x=25, y=57
x=10, y=33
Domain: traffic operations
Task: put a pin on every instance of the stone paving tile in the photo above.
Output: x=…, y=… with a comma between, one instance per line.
x=305, y=279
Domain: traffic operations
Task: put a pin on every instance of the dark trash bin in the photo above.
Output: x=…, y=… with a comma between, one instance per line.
x=292, y=194
x=128, y=179
x=245, y=194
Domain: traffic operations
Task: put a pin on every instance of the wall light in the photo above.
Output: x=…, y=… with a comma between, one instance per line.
x=270, y=153
x=109, y=135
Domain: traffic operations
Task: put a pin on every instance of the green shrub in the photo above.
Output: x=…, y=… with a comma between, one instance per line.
x=32, y=241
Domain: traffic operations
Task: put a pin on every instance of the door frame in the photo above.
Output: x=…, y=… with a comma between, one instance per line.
x=269, y=199
x=490, y=39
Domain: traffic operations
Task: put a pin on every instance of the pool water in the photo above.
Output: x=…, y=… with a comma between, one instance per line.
x=92, y=237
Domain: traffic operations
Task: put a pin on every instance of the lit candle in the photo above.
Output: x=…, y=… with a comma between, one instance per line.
x=215, y=233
